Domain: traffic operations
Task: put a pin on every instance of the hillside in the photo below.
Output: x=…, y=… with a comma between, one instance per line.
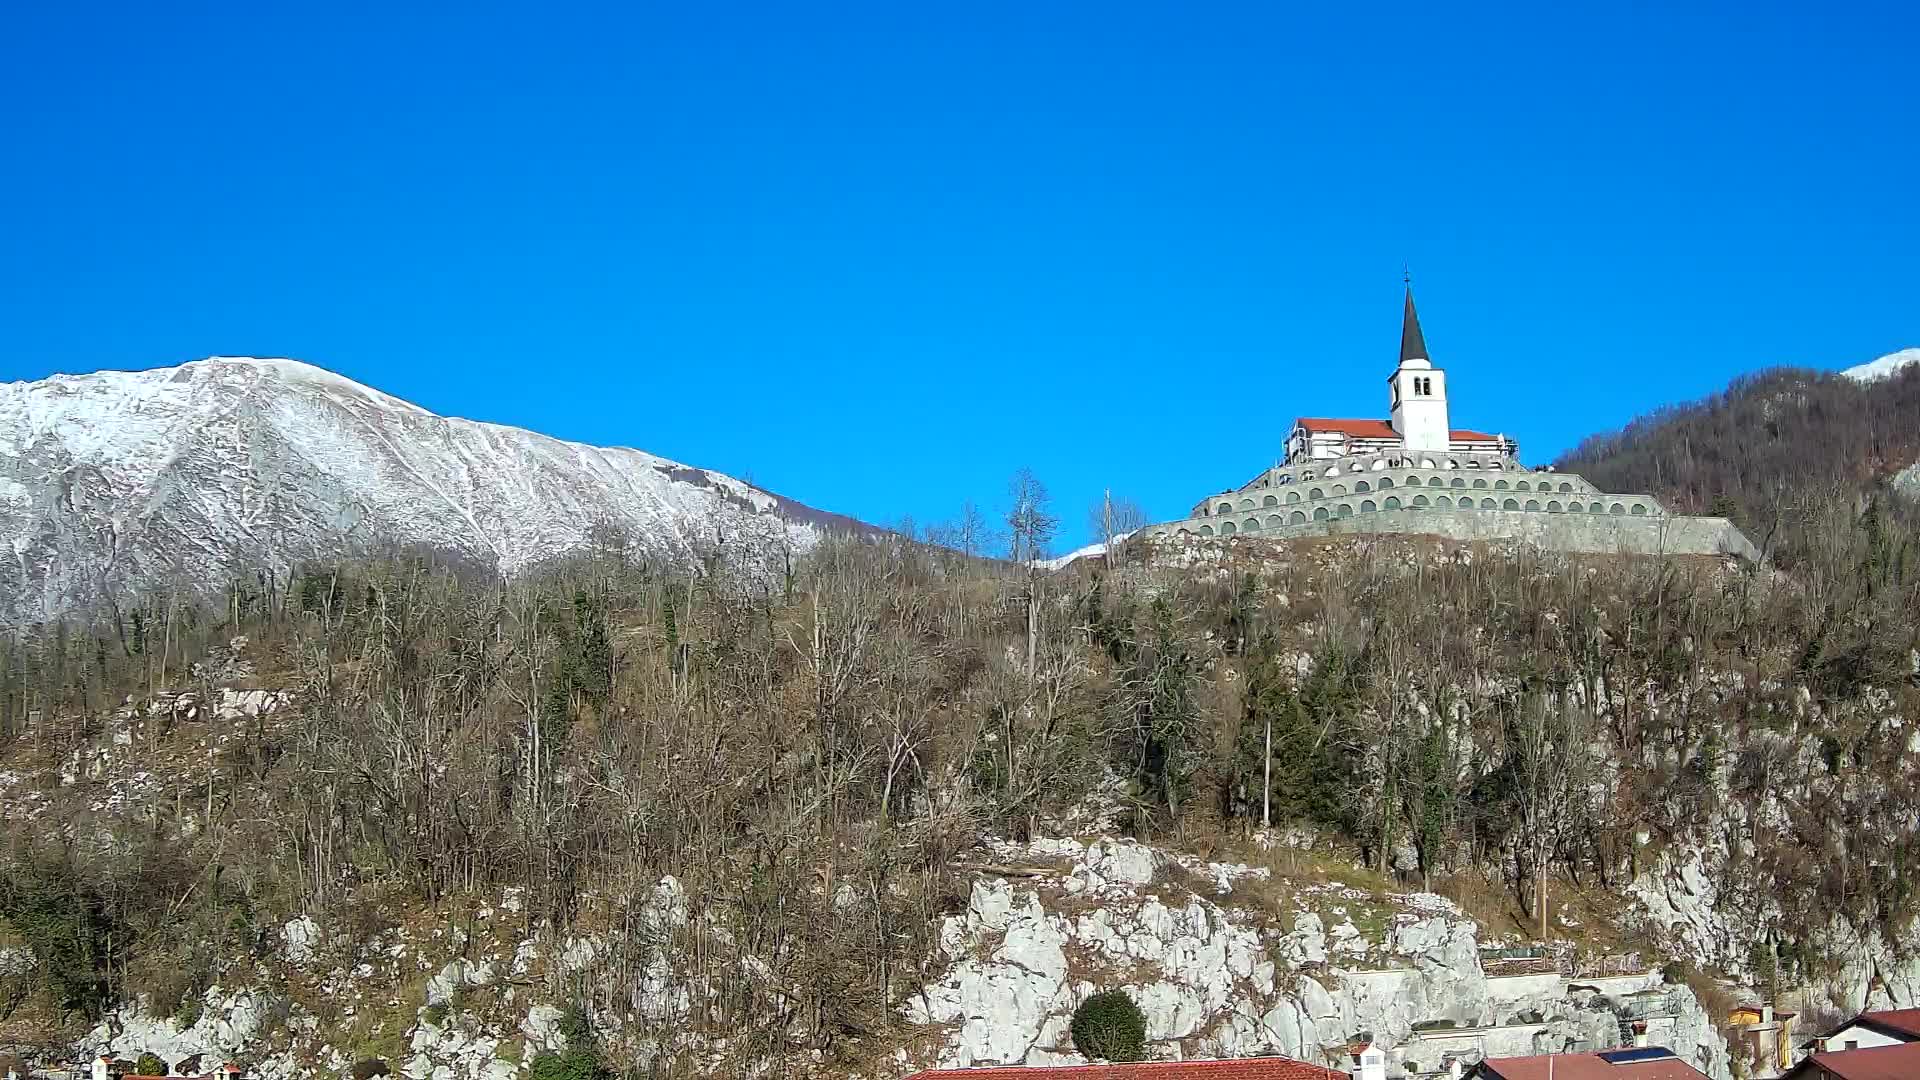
x=619, y=814
x=757, y=808
x=118, y=484
x=1771, y=447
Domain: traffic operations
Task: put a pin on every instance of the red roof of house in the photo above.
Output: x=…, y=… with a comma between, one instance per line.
x=1378, y=429
x=1585, y=1067
x=1272, y=1068
x=1901, y=1062
x=1903, y=1021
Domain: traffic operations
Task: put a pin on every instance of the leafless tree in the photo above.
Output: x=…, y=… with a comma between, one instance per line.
x=1030, y=529
x=1112, y=520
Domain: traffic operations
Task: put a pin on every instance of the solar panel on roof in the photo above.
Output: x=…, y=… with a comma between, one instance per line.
x=1635, y=1053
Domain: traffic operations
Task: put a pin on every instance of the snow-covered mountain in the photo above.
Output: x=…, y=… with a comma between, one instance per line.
x=190, y=476
x=1883, y=367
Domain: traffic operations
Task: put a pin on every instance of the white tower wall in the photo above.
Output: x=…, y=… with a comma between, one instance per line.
x=1420, y=406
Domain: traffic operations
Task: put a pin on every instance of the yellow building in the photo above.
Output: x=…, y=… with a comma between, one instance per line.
x=1766, y=1036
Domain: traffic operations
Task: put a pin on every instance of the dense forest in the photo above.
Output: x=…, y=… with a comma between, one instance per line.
x=813, y=751
x=1768, y=451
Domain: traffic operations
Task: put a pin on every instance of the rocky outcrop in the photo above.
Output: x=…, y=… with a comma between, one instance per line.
x=1218, y=978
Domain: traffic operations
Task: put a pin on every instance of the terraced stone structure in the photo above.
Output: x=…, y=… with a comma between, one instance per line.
x=1415, y=473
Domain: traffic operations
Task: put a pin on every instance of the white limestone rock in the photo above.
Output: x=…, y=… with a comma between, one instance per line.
x=16, y=960
x=298, y=939
x=1112, y=866
x=1307, y=944
x=1446, y=955
x=542, y=1028
x=226, y=1028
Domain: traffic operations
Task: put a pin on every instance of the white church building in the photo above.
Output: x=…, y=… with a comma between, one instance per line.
x=1417, y=420
x=1414, y=472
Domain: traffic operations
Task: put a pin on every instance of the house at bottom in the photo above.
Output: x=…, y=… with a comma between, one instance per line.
x=1271, y=1068
x=1897, y=1061
x=1885, y=1027
x=1631, y=1063
x=106, y=1068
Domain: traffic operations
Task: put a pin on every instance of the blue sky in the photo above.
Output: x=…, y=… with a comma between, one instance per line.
x=876, y=257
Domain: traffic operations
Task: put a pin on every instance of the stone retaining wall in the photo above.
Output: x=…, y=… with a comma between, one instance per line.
x=1592, y=533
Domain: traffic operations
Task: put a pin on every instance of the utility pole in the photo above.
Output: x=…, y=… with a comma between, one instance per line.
x=1266, y=780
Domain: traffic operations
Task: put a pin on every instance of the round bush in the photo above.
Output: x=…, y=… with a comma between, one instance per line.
x=572, y=1065
x=1109, y=1026
x=151, y=1065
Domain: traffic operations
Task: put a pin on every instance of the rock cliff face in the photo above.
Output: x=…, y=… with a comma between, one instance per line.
x=448, y=1004
x=1201, y=947
x=1217, y=978
x=1683, y=897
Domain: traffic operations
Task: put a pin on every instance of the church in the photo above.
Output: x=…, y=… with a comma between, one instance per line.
x=1417, y=421
x=1414, y=472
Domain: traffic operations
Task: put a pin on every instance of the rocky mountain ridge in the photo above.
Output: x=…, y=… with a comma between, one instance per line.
x=191, y=477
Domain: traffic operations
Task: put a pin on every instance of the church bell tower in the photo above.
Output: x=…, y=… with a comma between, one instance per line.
x=1419, y=391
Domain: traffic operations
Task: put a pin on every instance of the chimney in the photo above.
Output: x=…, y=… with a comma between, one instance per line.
x=100, y=1067
x=1369, y=1063
x=1766, y=1014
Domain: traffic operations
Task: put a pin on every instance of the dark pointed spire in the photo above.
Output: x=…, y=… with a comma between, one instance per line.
x=1413, y=345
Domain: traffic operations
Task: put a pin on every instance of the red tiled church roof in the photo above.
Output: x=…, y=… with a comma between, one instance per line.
x=1379, y=429
x=1271, y=1068
x=1362, y=429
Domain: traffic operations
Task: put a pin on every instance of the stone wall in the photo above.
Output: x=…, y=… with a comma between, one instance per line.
x=1593, y=533
x=1331, y=481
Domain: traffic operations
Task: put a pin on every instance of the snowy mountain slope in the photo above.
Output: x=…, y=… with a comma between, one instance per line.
x=1098, y=547
x=1883, y=367
x=117, y=482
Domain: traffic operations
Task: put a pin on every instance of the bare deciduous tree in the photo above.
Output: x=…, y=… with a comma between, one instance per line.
x=1112, y=520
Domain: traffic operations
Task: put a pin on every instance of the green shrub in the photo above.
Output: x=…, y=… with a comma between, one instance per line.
x=547, y=1066
x=585, y=1065
x=577, y=1027
x=436, y=1013
x=150, y=1065
x=574, y=1064
x=1109, y=1026
x=368, y=1068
